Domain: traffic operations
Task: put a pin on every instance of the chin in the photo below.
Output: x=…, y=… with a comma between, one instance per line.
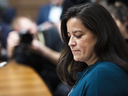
x=77, y=59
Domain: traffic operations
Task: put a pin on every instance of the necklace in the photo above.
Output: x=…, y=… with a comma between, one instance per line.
x=85, y=71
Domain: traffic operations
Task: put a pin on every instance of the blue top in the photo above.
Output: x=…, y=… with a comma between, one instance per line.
x=101, y=79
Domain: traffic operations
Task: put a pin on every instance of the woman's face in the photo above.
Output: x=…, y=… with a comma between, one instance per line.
x=121, y=26
x=81, y=41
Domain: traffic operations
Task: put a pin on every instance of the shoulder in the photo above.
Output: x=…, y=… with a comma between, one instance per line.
x=108, y=73
x=107, y=66
x=106, y=78
x=108, y=69
x=52, y=34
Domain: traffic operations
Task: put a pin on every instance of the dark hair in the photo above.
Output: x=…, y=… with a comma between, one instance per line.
x=69, y=3
x=110, y=45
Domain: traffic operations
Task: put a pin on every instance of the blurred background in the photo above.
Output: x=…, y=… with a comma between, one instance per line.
x=31, y=7
x=41, y=18
x=24, y=7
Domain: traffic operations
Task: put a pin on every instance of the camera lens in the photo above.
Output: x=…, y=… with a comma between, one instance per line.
x=25, y=37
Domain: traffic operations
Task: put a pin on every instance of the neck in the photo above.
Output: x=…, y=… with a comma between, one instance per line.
x=125, y=36
x=92, y=61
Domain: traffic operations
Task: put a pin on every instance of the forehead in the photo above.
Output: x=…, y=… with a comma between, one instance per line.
x=74, y=20
x=75, y=24
x=22, y=23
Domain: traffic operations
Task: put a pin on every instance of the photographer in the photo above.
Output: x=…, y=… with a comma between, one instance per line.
x=43, y=52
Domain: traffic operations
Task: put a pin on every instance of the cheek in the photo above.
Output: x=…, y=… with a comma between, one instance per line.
x=88, y=47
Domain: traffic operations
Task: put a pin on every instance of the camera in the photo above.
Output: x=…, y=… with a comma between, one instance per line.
x=21, y=51
x=25, y=37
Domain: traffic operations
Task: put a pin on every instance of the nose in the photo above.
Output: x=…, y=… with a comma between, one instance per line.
x=71, y=42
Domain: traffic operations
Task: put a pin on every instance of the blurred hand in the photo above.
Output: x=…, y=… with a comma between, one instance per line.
x=37, y=47
x=41, y=49
x=13, y=40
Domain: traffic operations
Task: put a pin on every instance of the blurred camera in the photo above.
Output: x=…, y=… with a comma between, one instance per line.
x=21, y=52
x=25, y=37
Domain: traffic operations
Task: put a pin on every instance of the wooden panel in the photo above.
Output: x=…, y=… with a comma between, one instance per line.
x=27, y=2
x=29, y=7
x=31, y=13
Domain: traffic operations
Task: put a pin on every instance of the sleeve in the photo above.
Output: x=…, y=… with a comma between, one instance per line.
x=104, y=82
x=57, y=41
x=53, y=40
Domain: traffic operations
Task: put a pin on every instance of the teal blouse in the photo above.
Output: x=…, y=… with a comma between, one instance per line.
x=101, y=79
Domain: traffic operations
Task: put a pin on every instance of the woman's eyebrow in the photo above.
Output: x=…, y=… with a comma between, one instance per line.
x=76, y=31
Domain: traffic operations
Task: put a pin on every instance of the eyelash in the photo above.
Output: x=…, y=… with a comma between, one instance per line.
x=78, y=36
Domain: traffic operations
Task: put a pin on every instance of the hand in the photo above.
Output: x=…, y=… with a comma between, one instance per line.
x=13, y=40
x=37, y=46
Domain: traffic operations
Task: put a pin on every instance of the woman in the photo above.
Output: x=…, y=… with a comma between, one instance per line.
x=95, y=60
x=120, y=15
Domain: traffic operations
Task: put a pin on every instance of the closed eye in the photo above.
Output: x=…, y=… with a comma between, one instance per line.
x=78, y=36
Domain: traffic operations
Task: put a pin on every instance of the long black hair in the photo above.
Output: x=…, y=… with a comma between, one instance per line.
x=110, y=44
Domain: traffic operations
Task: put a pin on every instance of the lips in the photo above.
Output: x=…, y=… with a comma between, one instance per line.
x=75, y=51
